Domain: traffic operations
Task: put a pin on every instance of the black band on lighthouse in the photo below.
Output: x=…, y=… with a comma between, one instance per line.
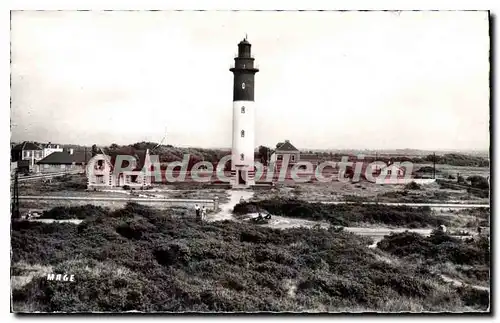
x=244, y=73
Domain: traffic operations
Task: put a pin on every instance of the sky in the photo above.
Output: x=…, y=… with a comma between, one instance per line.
x=327, y=80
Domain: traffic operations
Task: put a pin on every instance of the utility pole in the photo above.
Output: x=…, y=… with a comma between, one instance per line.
x=15, y=197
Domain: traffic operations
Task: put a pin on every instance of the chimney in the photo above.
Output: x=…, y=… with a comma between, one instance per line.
x=286, y=140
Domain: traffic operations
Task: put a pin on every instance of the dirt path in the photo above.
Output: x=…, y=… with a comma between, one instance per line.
x=378, y=233
x=226, y=212
x=459, y=283
x=74, y=221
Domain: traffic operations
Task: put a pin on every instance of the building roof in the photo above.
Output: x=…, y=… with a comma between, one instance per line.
x=51, y=145
x=285, y=146
x=27, y=145
x=139, y=155
x=244, y=41
x=64, y=157
x=58, y=158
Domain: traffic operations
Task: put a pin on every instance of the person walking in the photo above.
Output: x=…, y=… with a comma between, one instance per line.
x=198, y=212
x=203, y=213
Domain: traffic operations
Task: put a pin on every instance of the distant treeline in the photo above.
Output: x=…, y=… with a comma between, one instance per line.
x=453, y=159
x=169, y=153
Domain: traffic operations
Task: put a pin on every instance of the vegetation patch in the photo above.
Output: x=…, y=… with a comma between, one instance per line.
x=438, y=247
x=413, y=186
x=144, y=259
x=344, y=214
x=74, y=212
x=467, y=260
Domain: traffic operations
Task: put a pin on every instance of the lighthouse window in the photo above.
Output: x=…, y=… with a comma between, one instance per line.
x=242, y=109
x=242, y=133
x=242, y=156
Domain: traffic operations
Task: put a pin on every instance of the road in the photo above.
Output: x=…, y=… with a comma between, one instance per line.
x=432, y=205
x=105, y=198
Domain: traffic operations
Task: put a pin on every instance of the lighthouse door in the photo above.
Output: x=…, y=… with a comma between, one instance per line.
x=241, y=177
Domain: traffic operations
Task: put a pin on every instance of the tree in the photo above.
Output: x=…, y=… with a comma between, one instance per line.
x=264, y=154
x=95, y=150
x=113, y=146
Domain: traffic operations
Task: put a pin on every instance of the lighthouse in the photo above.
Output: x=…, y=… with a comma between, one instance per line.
x=242, y=152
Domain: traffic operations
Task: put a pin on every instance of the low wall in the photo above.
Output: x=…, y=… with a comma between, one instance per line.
x=47, y=169
x=420, y=181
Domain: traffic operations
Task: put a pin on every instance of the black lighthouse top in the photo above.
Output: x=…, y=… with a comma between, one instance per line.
x=244, y=73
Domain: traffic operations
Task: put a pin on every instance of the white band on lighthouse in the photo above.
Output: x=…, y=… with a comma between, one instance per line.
x=242, y=155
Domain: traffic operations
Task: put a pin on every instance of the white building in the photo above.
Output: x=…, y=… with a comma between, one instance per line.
x=50, y=148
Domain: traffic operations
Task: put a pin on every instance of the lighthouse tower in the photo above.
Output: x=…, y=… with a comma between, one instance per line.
x=242, y=153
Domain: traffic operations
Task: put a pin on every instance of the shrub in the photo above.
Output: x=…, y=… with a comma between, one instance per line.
x=412, y=186
x=74, y=212
x=479, y=182
x=438, y=247
x=474, y=297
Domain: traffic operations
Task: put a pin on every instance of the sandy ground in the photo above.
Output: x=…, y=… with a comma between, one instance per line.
x=367, y=191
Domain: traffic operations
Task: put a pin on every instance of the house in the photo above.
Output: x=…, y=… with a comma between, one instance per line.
x=26, y=151
x=26, y=154
x=101, y=175
x=50, y=148
x=60, y=161
x=285, y=149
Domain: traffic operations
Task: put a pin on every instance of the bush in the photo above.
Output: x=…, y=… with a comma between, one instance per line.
x=479, y=182
x=74, y=212
x=475, y=298
x=412, y=186
x=438, y=247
